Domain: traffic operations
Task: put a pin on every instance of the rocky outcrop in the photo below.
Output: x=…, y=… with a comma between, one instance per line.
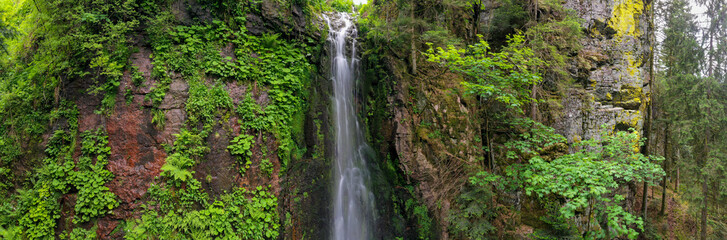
x=433, y=135
x=615, y=52
x=139, y=144
x=430, y=132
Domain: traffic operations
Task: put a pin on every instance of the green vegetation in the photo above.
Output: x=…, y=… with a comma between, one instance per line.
x=503, y=76
x=475, y=114
x=586, y=179
x=94, y=199
x=36, y=210
x=48, y=45
x=241, y=214
x=241, y=146
x=690, y=96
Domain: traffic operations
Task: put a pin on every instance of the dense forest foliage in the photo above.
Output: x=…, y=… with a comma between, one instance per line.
x=245, y=81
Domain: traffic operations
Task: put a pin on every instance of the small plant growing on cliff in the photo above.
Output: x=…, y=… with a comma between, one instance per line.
x=241, y=146
x=266, y=167
x=94, y=199
x=158, y=118
x=176, y=168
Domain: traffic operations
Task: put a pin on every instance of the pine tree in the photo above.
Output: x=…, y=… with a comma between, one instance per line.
x=695, y=97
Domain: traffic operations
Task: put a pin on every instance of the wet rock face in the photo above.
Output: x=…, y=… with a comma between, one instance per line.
x=430, y=132
x=271, y=20
x=138, y=145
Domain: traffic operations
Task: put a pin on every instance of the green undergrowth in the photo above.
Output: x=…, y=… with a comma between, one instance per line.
x=264, y=65
x=33, y=212
x=584, y=181
x=62, y=45
x=59, y=43
x=241, y=214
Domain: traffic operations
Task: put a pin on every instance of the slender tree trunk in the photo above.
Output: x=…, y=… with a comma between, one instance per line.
x=490, y=155
x=703, y=232
x=644, y=201
x=666, y=169
x=475, y=20
x=607, y=230
x=676, y=184
x=645, y=151
x=534, y=104
x=413, y=46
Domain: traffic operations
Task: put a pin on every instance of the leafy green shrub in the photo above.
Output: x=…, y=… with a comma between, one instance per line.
x=176, y=167
x=82, y=234
x=41, y=209
x=137, y=78
x=251, y=114
x=190, y=143
x=188, y=146
x=6, y=175
x=474, y=214
x=241, y=214
x=504, y=76
x=158, y=118
x=587, y=176
x=342, y=5
x=419, y=212
x=204, y=102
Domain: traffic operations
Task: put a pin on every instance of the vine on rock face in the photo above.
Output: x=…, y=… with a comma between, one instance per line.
x=94, y=199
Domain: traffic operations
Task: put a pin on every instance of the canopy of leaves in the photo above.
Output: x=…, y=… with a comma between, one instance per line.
x=503, y=76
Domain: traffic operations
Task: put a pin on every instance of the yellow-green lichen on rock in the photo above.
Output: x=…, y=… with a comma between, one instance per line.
x=633, y=64
x=625, y=18
x=628, y=97
x=627, y=119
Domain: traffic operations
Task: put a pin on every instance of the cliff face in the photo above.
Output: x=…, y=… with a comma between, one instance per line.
x=247, y=104
x=255, y=128
x=436, y=134
x=615, y=56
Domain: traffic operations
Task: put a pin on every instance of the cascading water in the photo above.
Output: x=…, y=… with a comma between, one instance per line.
x=353, y=201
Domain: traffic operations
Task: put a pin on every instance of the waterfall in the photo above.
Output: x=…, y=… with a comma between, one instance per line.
x=353, y=201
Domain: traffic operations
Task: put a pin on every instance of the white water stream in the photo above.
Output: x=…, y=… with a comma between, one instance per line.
x=353, y=201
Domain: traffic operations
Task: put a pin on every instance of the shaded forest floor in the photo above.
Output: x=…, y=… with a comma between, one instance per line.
x=676, y=223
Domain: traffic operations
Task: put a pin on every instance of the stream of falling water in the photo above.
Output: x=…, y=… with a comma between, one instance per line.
x=353, y=201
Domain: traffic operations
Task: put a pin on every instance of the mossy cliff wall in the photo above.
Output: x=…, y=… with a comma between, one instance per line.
x=237, y=89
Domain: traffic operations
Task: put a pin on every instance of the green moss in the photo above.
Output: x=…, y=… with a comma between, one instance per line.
x=628, y=97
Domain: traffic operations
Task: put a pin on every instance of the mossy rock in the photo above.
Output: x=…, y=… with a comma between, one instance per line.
x=628, y=97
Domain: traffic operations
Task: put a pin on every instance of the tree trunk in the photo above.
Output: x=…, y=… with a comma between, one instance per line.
x=645, y=151
x=533, y=104
x=644, y=201
x=413, y=46
x=607, y=230
x=666, y=169
x=475, y=20
x=703, y=232
x=676, y=184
